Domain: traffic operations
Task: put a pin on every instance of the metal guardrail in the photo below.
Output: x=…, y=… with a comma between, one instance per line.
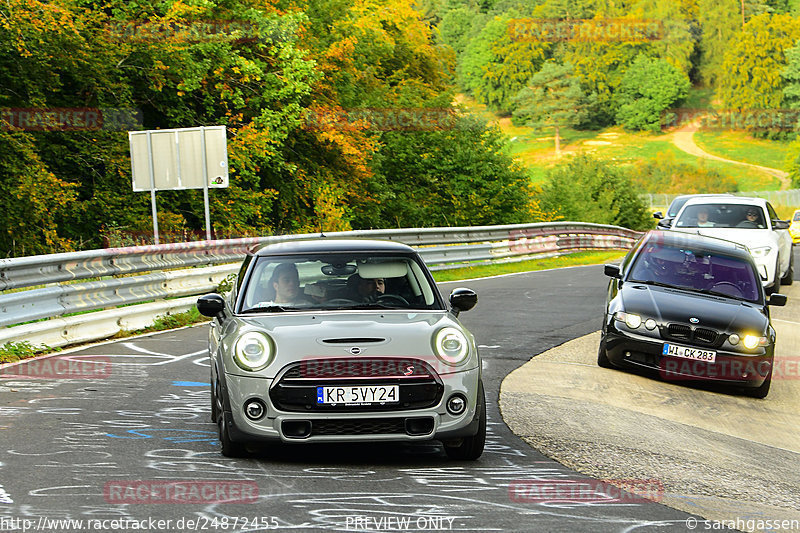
x=193, y=268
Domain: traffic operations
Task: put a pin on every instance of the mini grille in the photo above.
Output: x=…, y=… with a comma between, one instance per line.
x=357, y=368
x=362, y=426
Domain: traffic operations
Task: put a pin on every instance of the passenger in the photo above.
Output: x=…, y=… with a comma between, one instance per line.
x=365, y=289
x=702, y=218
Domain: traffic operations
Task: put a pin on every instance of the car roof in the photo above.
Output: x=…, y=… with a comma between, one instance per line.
x=695, y=240
x=328, y=244
x=741, y=200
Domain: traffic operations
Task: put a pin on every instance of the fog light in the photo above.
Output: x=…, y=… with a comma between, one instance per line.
x=456, y=404
x=254, y=409
x=650, y=324
x=734, y=339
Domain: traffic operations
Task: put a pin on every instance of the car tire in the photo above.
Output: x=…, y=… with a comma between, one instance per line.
x=228, y=448
x=788, y=278
x=763, y=390
x=215, y=400
x=602, y=355
x=471, y=447
x=775, y=288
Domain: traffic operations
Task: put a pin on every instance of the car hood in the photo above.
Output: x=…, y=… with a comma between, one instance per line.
x=752, y=238
x=675, y=305
x=299, y=336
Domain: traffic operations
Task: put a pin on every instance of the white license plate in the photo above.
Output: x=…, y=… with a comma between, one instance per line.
x=685, y=352
x=359, y=395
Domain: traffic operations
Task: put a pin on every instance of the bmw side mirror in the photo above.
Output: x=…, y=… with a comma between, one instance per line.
x=777, y=300
x=463, y=300
x=658, y=214
x=612, y=271
x=780, y=224
x=210, y=305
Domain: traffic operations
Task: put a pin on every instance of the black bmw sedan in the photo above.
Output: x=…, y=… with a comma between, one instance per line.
x=692, y=308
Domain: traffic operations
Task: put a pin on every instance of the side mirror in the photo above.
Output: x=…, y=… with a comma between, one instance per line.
x=658, y=214
x=210, y=305
x=612, y=271
x=780, y=224
x=463, y=299
x=777, y=300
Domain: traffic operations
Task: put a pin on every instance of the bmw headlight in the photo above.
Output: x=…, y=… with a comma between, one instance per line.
x=631, y=320
x=253, y=351
x=762, y=251
x=451, y=346
x=752, y=341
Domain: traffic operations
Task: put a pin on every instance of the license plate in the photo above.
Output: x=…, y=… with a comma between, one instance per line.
x=360, y=395
x=685, y=352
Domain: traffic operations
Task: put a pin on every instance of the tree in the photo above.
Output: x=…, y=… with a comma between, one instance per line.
x=495, y=65
x=649, y=87
x=585, y=189
x=753, y=64
x=552, y=99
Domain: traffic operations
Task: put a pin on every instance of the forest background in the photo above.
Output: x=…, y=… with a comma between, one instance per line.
x=358, y=114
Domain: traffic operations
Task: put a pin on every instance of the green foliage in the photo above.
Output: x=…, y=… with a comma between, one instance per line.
x=495, y=67
x=751, y=72
x=585, y=189
x=552, y=98
x=12, y=352
x=663, y=174
x=649, y=87
x=453, y=177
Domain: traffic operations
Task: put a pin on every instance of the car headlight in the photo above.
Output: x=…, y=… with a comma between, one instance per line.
x=451, y=346
x=762, y=251
x=631, y=320
x=751, y=341
x=253, y=351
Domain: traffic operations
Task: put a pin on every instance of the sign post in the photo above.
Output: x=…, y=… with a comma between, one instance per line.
x=178, y=159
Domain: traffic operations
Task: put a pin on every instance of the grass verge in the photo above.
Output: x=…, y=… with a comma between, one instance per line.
x=576, y=259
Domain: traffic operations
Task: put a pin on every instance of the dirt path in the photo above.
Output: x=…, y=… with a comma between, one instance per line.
x=684, y=140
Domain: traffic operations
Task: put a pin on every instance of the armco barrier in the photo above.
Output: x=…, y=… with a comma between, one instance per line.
x=188, y=269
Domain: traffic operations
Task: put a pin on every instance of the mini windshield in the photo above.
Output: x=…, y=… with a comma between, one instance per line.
x=696, y=270
x=338, y=281
x=796, y=216
x=721, y=216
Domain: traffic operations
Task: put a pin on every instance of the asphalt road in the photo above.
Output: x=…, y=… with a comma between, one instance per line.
x=77, y=448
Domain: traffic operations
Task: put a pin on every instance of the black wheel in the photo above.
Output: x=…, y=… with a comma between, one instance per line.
x=789, y=277
x=229, y=448
x=602, y=355
x=776, y=286
x=470, y=448
x=214, y=408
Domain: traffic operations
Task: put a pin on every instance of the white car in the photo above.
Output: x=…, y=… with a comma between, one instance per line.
x=748, y=221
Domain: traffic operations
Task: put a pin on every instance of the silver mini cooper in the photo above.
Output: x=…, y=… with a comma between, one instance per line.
x=333, y=340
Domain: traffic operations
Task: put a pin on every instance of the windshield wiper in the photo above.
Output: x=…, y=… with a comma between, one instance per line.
x=268, y=309
x=656, y=283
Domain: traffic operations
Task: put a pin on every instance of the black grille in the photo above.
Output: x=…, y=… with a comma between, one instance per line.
x=357, y=368
x=704, y=336
x=360, y=426
x=419, y=386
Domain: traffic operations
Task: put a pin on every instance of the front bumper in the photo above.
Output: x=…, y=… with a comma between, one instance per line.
x=734, y=368
x=356, y=424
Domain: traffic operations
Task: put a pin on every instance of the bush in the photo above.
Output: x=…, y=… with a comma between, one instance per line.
x=585, y=189
x=649, y=87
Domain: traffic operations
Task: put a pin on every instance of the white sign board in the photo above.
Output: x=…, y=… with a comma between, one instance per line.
x=179, y=159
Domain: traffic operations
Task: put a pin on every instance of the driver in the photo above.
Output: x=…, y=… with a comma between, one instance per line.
x=367, y=289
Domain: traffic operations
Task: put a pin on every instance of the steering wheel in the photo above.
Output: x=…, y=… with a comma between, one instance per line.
x=341, y=301
x=392, y=299
x=727, y=288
